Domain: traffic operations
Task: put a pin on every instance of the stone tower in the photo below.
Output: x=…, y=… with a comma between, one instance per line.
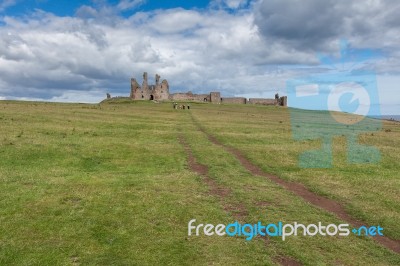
x=157, y=79
x=134, y=88
x=158, y=92
x=145, y=85
x=215, y=97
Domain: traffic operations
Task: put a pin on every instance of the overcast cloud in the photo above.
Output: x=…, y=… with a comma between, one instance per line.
x=237, y=47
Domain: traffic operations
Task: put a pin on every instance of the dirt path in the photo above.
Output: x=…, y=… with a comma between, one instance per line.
x=238, y=210
x=300, y=190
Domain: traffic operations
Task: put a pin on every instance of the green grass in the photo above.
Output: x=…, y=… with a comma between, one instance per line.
x=369, y=191
x=109, y=184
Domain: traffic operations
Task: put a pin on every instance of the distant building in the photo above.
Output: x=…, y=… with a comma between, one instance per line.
x=160, y=92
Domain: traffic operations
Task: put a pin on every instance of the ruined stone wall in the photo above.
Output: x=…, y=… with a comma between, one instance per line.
x=189, y=97
x=160, y=91
x=236, y=100
x=145, y=85
x=142, y=94
x=178, y=96
x=137, y=93
x=215, y=97
x=134, y=88
x=283, y=100
x=201, y=97
x=263, y=101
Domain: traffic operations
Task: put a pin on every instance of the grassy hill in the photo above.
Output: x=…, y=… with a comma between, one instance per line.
x=117, y=184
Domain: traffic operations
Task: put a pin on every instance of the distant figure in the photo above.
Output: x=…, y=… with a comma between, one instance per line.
x=188, y=106
x=277, y=96
x=108, y=96
x=184, y=106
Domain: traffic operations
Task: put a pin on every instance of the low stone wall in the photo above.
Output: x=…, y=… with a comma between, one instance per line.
x=236, y=100
x=201, y=97
x=189, y=97
x=262, y=101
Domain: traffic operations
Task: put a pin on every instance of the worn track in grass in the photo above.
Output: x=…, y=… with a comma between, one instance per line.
x=238, y=210
x=300, y=190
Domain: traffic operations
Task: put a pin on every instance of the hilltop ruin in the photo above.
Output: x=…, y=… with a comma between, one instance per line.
x=160, y=92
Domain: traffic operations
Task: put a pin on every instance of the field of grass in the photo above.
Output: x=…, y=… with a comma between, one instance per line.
x=111, y=184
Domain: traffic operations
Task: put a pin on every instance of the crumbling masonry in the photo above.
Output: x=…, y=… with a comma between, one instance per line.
x=160, y=92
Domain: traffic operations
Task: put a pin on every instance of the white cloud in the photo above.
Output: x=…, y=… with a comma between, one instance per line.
x=46, y=55
x=175, y=21
x=129, y=4
x=232, y=4
x=6, y=4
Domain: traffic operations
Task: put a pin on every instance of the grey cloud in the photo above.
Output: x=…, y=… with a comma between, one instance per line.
x=6, y=4
x=86, y=12
x=129, y=4
x=305, y=25
x=231, y=4
x=315, y=25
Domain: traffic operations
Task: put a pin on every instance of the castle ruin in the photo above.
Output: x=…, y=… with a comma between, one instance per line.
x=160, y=92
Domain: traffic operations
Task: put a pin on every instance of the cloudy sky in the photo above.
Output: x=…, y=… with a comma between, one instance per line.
x=76, y=51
